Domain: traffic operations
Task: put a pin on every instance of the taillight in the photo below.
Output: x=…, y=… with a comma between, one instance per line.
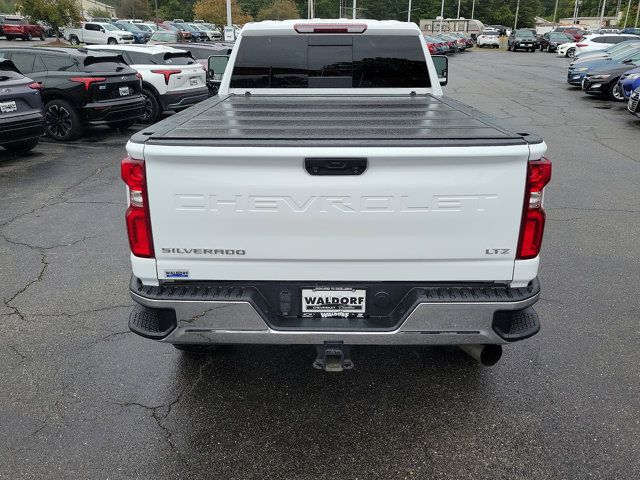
x=330, y=28
x=35, y=86
x=137, y=217
x=87, y=81
x=533, y=217
x=167, y=74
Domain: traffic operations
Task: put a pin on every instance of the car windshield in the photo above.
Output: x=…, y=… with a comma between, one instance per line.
x=143, y=27
x=13, y=21
x=163, y=37
x=490, y=32
x=558, y=36
x=108, y=26
x=622, y=53
x=524, y=34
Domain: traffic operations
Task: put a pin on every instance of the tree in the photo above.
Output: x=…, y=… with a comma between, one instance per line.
x=6, y=6
x=215, y=11
x=279, y=10
x=134, y=9
x=99, y=13
x=56, y=13
x=176, y=9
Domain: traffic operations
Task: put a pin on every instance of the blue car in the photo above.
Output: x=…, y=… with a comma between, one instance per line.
x=139, y=36
x=629, y=81
x=578, y=70
x=634, y=103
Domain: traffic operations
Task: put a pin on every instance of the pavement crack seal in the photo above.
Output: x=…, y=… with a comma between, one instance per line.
x=39, y=277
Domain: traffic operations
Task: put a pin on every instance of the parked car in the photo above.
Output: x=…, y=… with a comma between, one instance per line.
x=171, y=79
x=212, y=31
x=19, y=27
x=464, y=37
x=629, y=81
x=202, y=52
x=634, y=103
x=197, y=35
x=139, y=36
x=631, y=31
x=21, y=117
x=452, y=45
x=575, y=32
x=522, y=39
x=166, y=36
x=594, y=43
x=147, y=27
x=81, y=88
x=613, y=50
x=97, y=33
x=604, y=81
x=579, y=69
x=186, y=34
x=488, y=38
x=550, y=41
x=274, y=215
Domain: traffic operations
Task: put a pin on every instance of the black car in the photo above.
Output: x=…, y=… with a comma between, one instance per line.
x=604, y=81
x=634, y=103
x=550, y=41
x=523, y=39
x=81, y=88
x=21, y=117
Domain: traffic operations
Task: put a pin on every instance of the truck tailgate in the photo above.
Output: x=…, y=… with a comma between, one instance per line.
x=415, y=214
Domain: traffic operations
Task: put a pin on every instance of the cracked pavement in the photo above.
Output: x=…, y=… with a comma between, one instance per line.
x=82, y=397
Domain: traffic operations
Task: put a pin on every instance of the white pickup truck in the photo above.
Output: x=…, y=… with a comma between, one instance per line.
x=97, y=33
x=330, y=195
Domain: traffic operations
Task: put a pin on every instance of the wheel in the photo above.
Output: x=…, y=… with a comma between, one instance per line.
x=23, y=146
x=29, y=37
x=8, y=37
x=43, y=37
x=73, y=40
x=63, y=122
x=615, y=92
x=112, y=41
x=570, y=52
x=508, y=47
x=121, y=126
x=152, y=108
x=194, y=348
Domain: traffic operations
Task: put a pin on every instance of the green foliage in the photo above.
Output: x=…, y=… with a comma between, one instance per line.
x=99, y=13
x=171, y=9
x=55, y=12
x=134, y=9
x=6, y=6
x=279, y=10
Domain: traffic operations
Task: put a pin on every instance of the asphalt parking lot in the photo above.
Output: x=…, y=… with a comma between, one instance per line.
x=82, y=397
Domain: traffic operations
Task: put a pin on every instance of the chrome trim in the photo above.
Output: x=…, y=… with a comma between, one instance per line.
x=428, y=324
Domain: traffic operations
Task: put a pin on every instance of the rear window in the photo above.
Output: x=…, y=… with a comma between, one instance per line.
x=14, y=21
x=170, y=58
x=524, y=34
x=330, y=61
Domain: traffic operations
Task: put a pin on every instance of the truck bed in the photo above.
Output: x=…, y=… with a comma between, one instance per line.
x=313, y=120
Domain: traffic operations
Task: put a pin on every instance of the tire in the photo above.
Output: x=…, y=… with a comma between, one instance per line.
x=195, y=348
x=570, y=52
x=23, y=146
x=121, y=126
x=112, y=41
x=8, y=37
x=615, y=92
x=43, y=37
x=63, y=122
x=29, y=37
x=152, y=109
x=73, y=40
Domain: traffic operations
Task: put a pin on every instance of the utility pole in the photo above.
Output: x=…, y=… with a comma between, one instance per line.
x=473, y=8
x=555, y=13
x=515, y=23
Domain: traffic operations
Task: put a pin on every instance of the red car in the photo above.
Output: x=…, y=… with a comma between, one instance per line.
x=18, y=27
x=186, y=35
x=575, y=32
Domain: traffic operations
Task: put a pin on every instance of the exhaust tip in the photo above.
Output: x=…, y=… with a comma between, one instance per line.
x=487, y=355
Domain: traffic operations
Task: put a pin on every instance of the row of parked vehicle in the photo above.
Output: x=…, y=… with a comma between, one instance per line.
x=61, y=91
x=447, y=43
x=611, y=71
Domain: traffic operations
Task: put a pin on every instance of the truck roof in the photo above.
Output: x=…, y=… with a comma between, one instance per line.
x=286, y=27
x=326, y=120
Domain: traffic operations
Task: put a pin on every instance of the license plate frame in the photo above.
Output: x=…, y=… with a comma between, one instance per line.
x=124, y=91
x=193, y=81
x=333, y=301
x=8, y=106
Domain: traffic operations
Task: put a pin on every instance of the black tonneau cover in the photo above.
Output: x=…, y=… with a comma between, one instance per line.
x=338, y=120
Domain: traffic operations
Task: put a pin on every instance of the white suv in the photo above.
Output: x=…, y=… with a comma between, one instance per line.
x=171, y=78
x=594, y=43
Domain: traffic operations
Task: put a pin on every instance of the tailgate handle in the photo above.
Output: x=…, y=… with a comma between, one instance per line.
x=335, y=166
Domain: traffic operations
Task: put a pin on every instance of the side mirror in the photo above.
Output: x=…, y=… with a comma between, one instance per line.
x=217, y=65
x=102, y=30
x=442, y=68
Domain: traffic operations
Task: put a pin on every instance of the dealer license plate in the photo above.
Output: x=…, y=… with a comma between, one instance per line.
x=333, y=301
x=124, y=91
x=7, y=107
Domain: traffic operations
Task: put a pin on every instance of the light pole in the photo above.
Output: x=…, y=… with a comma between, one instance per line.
x=458, y=15
x=229, y=24
x=604, y=4
x=555, y=13
x=627, y=15
x=637, y=16
x=473, y=8
x=515, y=23
x=409, y=13
x=441, y=17
x=354, y=9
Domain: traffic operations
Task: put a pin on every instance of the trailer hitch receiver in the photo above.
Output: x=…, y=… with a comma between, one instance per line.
x=333, y=357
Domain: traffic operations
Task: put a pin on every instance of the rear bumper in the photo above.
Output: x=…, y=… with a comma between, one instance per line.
x=182, y=100
x=22, y=127
x=225, y=313
x=113, y=111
